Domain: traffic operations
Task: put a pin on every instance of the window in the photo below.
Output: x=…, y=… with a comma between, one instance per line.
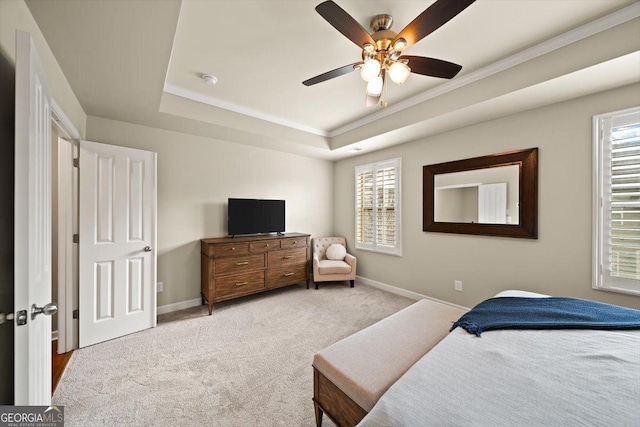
x=378, y=207
x=617, y=202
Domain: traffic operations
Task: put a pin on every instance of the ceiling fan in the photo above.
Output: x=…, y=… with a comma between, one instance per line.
x=382, y=49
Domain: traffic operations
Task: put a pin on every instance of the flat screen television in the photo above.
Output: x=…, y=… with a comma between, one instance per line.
x=255, y=216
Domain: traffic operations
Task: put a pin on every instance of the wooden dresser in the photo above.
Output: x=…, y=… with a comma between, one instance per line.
x=233, y=267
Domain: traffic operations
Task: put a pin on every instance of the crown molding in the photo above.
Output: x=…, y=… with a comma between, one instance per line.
x=205, y=99
x=594, y=27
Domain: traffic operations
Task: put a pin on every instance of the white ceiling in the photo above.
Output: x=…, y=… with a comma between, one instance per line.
x=120, y=56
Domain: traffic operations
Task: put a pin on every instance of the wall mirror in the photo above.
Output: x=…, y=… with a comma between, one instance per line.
x=495, y=195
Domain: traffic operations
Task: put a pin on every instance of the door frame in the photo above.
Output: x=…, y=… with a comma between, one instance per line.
x=67, y=224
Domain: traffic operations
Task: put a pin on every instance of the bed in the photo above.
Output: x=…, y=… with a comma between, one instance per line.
x=519, y=378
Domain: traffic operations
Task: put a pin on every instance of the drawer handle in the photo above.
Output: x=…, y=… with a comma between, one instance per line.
x=267, y=245
x=242, y=263
x=288, y=256
x=288, y=274
x=242, y=283
x=294, y=242
x=233, y=249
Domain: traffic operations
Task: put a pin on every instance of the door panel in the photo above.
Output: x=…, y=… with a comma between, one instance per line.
x=32, y=245
x=117, y=221
x=492, y=203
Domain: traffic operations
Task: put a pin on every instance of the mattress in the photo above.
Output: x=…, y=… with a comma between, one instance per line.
x=519, y=378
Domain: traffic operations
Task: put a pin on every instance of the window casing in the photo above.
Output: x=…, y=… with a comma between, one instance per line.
x=616, y=234
x=378, y=219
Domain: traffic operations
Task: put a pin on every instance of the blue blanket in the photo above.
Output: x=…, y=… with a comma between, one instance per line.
x=546, y=313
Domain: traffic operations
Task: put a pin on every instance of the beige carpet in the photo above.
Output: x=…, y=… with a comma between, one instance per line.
x=249, y=364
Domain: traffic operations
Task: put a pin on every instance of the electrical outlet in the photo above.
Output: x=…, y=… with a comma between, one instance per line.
x=457, y=285
x=159, y=286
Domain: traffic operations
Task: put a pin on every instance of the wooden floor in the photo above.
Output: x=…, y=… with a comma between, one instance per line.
x=59, y=362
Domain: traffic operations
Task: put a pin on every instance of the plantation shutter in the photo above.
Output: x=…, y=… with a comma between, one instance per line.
x=620, y=202
x=378, y=207
x=386, y=206
x=364, y=200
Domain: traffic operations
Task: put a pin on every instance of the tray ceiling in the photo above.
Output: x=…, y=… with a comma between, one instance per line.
x=142, y=62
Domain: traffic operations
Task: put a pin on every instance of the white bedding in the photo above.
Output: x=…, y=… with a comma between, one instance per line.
x=519, y=378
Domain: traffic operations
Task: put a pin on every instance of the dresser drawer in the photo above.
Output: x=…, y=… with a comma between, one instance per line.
x=288, y=275
x=223, y=249
x=278, y=259
x=294, y=242
x=239, y=284
x=264, y=245
x=238, y=264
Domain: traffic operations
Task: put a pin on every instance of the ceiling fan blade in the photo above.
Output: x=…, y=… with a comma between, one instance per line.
x=330, y=74
x=431, y=66
x=344, y=23
x=435, y=16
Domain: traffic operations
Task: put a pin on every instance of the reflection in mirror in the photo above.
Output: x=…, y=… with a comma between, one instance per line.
x=493, y=195
x=486, y=196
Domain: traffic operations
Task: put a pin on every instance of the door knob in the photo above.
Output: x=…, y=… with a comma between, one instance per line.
x=147, y=249
x=47, y=310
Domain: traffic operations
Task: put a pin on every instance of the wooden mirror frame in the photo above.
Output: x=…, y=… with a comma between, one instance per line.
x=528, y=195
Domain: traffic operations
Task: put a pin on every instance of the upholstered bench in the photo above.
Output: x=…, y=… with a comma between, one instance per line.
x=352, y=374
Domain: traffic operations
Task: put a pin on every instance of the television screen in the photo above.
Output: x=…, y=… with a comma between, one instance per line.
x=254, y=216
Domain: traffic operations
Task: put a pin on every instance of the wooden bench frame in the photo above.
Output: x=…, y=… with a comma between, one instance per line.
x=329, y=399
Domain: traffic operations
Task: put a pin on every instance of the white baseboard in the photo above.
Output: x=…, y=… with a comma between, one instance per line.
x=403, y=292
x=54, y=335
x=168, y=308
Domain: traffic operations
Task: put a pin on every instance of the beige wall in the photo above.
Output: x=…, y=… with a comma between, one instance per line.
x=15, y=15
x=196, y=175
x=557, y=263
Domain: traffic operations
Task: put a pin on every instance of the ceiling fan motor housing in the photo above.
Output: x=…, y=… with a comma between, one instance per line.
x=380, y=26
x=381, y=22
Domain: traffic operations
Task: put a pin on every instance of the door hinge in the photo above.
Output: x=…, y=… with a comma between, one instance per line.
x=76, y=162
x=76, y=314
x=76, y=238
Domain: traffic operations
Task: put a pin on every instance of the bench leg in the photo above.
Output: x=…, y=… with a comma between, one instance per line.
x=319, y=413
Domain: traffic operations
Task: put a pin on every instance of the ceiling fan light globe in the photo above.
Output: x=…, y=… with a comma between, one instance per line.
x=400, y=44
x=374, y=87
x=399, y=72
x=370, y=70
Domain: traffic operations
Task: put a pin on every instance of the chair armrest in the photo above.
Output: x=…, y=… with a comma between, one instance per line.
x=316, y=264
x=351, y=260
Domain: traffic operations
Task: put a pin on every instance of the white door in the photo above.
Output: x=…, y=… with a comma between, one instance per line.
x=117, y=264
x=492, y=203
x=32, y=248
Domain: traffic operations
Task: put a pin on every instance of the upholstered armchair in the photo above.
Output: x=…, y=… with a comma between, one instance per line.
x=325, y=270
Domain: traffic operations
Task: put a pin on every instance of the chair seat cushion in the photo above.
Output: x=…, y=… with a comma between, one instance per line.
x=328, y=266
